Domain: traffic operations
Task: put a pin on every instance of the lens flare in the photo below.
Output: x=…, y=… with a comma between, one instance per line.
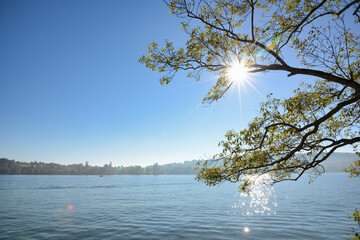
x=270, y=46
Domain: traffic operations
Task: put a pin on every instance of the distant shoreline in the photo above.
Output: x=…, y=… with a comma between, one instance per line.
x=337, y=162
x=103, y=175
x=12, y=167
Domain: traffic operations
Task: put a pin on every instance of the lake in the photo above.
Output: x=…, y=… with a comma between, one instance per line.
x=173, y=207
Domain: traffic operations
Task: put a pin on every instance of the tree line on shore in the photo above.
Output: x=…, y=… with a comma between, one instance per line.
x=336, y=163
x=41, y=168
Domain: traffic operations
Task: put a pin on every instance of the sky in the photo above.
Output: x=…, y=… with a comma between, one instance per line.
x=72, y=90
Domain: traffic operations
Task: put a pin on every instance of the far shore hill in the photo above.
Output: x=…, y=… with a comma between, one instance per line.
x=337, y=162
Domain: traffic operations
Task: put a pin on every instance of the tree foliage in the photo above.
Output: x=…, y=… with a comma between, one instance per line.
x=289, y=136
x=356, y=217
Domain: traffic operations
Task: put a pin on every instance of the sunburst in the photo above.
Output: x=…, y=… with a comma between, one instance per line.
x=237, y=72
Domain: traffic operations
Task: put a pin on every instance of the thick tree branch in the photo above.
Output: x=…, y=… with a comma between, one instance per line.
x=305, y=71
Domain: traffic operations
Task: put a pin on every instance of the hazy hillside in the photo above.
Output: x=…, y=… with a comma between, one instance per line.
x=337, y=162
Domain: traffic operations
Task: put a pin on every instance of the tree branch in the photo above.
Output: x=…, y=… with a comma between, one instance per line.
x=305, y=71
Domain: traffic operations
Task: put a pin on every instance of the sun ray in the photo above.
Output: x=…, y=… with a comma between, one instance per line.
x=240, y=104
x=251, y=85
x=238, y=73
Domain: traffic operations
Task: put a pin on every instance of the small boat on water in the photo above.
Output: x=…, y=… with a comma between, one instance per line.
x=101, y=176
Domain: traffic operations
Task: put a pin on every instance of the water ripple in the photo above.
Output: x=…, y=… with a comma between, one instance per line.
x=169, y=207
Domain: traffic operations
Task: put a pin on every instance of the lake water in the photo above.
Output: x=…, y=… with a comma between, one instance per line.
x=173, y=207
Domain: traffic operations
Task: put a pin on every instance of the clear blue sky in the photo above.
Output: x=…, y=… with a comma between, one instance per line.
x=72, y=90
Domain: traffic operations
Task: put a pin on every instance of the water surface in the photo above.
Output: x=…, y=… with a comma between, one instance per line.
x=172, y=207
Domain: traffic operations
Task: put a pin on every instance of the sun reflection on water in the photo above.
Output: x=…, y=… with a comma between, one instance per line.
x=260, y=200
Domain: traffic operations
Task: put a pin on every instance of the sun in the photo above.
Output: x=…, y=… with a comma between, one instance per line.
x=237, y=72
